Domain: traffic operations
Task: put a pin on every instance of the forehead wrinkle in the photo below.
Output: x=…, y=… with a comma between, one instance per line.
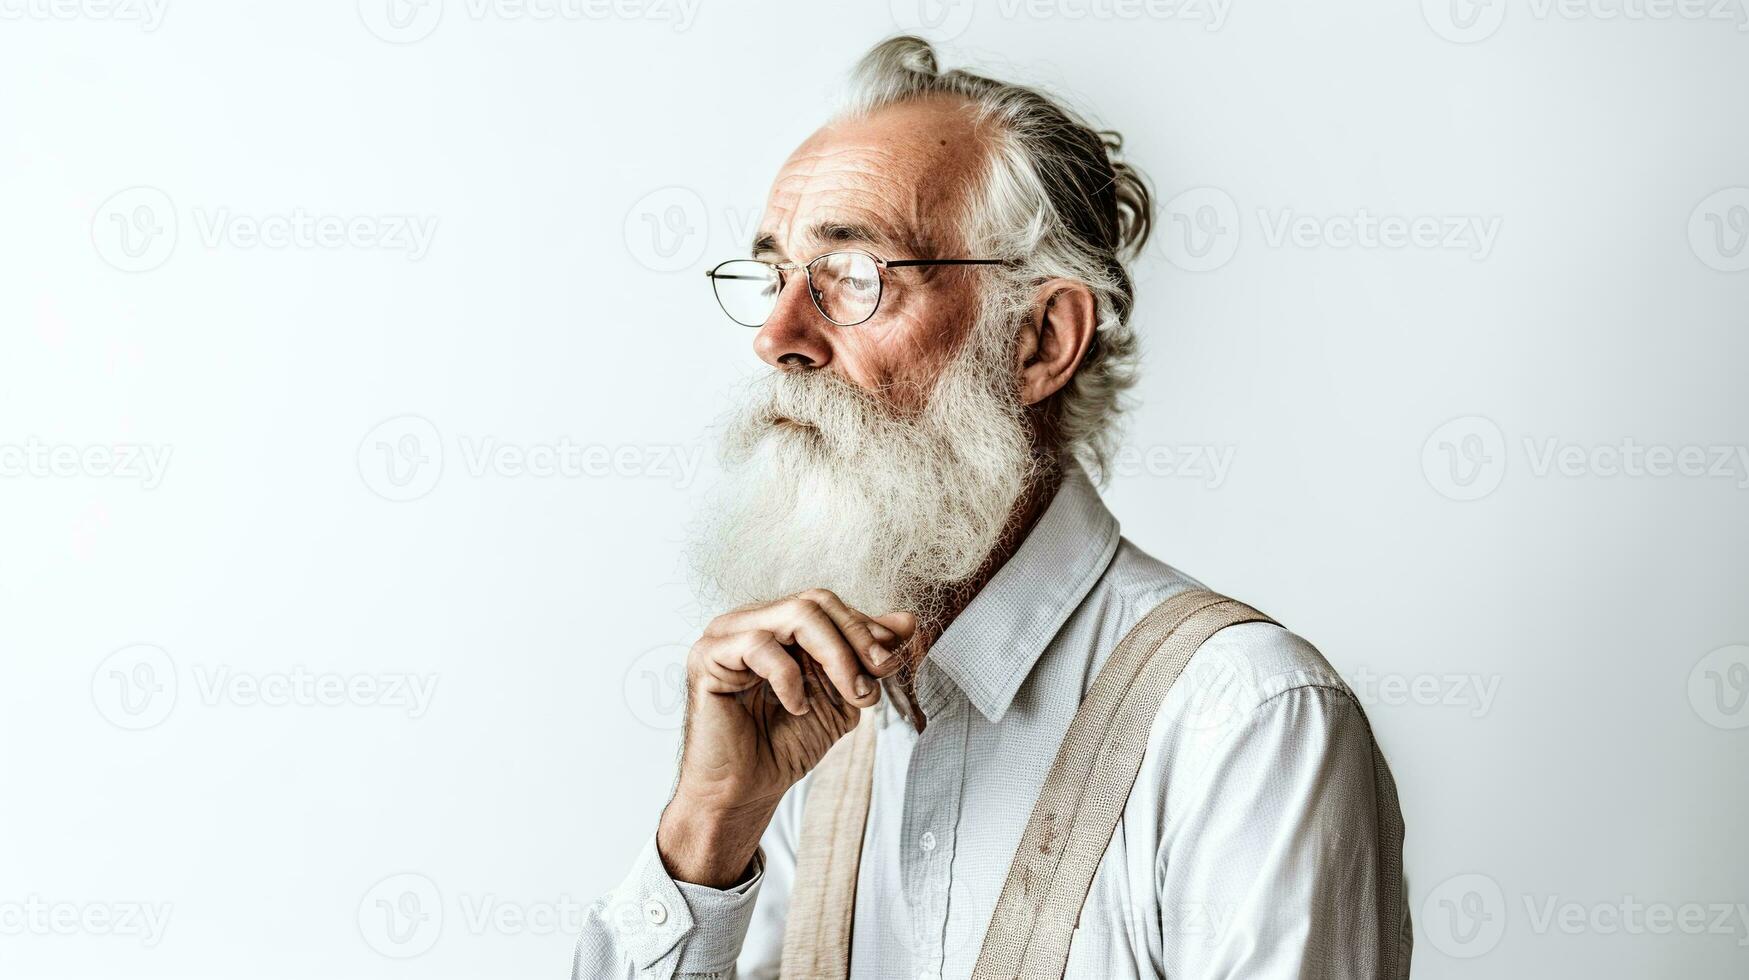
x=875, y=187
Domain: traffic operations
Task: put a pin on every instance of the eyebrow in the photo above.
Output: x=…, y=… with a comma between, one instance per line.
x=832, y=233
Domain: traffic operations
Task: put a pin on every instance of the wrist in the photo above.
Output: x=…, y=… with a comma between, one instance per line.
x=710, y=843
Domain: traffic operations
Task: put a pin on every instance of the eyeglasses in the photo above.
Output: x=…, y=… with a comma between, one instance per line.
x=845, y=286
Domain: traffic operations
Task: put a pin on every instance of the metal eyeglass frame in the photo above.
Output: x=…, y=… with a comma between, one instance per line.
x=808, y=273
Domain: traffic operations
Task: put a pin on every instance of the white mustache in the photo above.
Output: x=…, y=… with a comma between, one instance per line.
x=887, y=506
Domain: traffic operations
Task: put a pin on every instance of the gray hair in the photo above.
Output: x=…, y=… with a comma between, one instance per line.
x=1056, y=200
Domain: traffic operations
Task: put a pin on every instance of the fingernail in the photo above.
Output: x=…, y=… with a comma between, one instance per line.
x=879, y=654
x=806, y=707
x=863, y=685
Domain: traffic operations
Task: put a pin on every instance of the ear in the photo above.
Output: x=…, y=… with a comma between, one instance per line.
x=1054, y=338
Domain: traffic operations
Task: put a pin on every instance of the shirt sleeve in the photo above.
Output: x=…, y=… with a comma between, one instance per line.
x=1286, y=860
x=654, y=927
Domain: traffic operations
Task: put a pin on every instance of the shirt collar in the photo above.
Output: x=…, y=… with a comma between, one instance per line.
x=990, y=648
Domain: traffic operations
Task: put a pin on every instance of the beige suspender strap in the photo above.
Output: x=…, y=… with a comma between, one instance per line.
x=816, y=935
x=1088, y=785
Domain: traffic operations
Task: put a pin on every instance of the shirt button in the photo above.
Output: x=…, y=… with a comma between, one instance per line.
x=928, y=843
x=655, y=912
x=929, y=975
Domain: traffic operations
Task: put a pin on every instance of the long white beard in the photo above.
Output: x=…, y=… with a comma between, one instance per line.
x=887, y=509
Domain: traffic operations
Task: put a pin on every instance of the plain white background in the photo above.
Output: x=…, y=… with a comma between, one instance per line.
x=356, y=364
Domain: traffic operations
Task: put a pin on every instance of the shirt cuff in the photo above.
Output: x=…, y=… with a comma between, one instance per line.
x=653, y=914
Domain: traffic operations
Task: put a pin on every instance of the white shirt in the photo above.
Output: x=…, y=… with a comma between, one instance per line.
x=1262, y=837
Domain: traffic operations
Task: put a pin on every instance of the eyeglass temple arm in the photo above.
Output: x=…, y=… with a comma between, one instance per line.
x=889, y=263
x=900, y=263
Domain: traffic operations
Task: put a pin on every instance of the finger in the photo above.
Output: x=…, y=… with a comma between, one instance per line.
x=819, y=637
x=903, y=624
x=859, y=630
x=803, y=622
x=826, y=697
x=720, y=662
x=772, y=662
x=728, y=654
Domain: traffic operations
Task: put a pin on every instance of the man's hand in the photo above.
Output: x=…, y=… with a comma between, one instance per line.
x=769, y=689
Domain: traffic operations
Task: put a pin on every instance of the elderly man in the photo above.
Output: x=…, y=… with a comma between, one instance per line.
x=937, y=734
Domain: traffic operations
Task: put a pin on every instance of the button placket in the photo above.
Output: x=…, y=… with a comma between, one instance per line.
x=934, y=784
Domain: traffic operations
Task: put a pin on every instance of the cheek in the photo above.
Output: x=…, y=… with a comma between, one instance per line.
x=901, y=367
x=901, y=355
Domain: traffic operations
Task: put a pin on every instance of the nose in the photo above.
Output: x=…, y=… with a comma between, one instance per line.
x=794, y=336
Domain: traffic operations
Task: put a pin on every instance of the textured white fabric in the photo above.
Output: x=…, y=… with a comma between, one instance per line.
x=1250, y=845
